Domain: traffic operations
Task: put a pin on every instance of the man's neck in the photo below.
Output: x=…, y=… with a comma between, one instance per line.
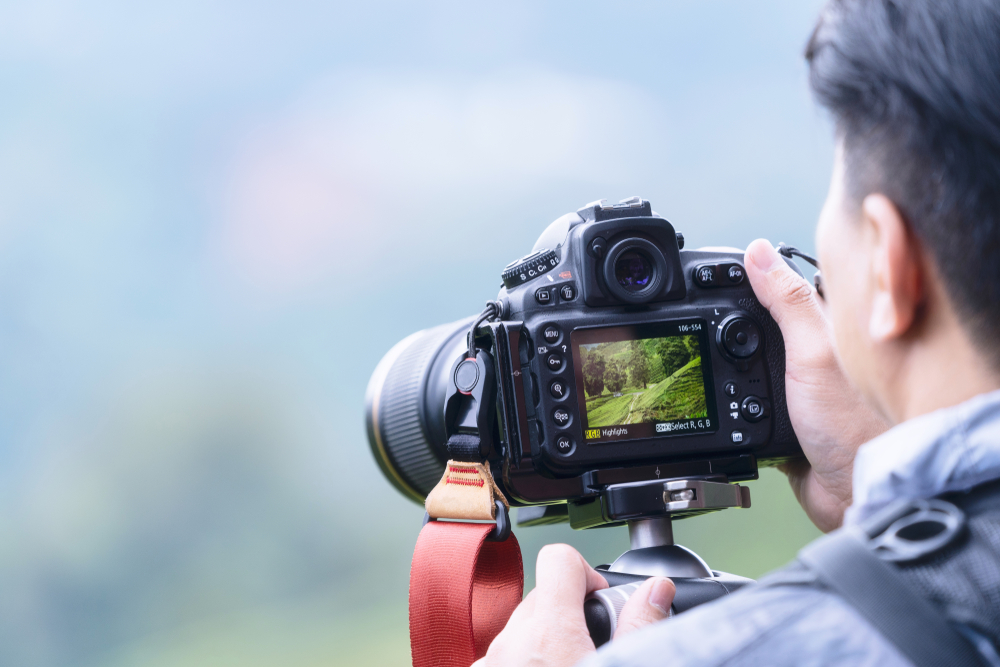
x=938, y=371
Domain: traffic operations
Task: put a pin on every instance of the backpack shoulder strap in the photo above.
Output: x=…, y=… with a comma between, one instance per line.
x=843, y=562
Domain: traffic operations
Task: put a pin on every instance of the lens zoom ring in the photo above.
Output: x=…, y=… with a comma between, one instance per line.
x=399, y=417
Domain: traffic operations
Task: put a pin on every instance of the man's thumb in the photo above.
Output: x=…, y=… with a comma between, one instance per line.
x=787, y=295
x=650, y=603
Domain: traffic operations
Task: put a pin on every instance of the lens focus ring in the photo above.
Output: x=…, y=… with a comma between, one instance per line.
x=397, y=425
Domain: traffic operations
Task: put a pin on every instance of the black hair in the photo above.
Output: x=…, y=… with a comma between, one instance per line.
x=914, y=88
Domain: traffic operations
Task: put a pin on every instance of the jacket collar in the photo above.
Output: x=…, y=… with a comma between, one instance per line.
x=953, y=449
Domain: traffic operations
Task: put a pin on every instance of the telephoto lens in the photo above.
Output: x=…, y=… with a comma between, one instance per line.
x=404, y=407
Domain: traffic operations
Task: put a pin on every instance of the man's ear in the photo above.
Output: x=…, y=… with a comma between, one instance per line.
x=897, y=269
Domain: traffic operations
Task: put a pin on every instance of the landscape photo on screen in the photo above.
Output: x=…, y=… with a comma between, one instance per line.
x=652, y=380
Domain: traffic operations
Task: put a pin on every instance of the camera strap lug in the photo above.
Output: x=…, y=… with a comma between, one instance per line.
x=470, y=407
x=466, y=492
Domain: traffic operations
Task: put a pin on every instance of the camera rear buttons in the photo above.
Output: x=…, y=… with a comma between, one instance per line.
x=558, y=389
x=551, y=333
x=753, y=409
x=705, y=275
x=561, y=417
x=564, y=445
x=567, y=292
x=740, y=337
x=719, y=275
x=737, y=437
x=544, y=296
x=554, y=362
x=731, y=389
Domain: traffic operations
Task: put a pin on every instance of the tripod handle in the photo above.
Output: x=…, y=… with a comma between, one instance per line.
x=601, y=608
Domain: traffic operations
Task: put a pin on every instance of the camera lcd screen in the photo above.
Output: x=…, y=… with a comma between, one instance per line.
x=644, y=381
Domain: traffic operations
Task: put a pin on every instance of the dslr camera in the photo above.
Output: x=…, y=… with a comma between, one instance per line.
x=612, y=362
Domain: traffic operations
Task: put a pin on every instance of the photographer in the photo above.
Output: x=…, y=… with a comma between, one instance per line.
x=903, y=336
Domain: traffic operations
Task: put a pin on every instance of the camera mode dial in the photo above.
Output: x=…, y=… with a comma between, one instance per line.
x=528, y=268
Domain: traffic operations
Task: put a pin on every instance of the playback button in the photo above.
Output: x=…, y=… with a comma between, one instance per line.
x=544, y=296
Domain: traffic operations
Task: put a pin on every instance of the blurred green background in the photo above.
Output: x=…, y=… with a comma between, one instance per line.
x=215, y=217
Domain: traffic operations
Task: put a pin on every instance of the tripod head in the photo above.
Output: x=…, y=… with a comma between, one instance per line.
x=648, y=509
x=652, y=505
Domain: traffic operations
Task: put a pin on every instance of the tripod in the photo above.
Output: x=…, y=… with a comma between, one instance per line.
x=648, y=509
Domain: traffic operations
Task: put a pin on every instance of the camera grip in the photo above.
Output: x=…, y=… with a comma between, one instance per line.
x=783, y=442
x=601, y=608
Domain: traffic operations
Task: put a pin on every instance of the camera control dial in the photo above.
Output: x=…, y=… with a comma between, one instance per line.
x=739, y=337
x=528, y=268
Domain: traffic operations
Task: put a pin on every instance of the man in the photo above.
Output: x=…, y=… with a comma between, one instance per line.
x=904, y=336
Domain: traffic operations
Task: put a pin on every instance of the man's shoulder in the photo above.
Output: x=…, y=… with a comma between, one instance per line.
x=762, y=624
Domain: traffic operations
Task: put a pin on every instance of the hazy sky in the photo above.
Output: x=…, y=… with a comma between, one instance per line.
x=215, y=217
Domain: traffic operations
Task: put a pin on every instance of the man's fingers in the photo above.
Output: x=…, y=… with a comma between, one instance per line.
x=524, y=610
x=649, y=604
x=595, y=582
x=563, y=578
x=789, y=296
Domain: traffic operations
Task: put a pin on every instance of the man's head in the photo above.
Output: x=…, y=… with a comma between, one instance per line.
x=909, y=239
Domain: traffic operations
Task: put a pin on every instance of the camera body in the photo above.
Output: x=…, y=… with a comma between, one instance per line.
x=617, y=379
x=615, y=360
x=622, y=358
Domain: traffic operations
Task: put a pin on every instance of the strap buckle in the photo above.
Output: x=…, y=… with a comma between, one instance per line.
x=500, y=532
x=913, y=529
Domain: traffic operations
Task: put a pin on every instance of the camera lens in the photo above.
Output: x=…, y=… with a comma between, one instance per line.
x=404, y=407
x=633, y=270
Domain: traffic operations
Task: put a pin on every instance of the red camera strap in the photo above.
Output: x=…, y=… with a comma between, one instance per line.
x=463, y=590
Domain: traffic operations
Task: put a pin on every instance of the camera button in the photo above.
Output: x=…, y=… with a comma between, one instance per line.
x=705, y=275
x=554, y=362
x=737, y=437
x=753, y=409
x=735, y=273
x=564, y=445
x=567, y=292
x=558, y=389
x=731, y=389
x=543, y=296
x=597, y=247
x=561, y=416
x=551, y=334
x=740, y=337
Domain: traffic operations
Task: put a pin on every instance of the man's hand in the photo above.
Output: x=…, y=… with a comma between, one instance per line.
x=548, y=627
x=830, y=417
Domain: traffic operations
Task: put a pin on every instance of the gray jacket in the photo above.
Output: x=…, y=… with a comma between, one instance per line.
x=949, y=450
